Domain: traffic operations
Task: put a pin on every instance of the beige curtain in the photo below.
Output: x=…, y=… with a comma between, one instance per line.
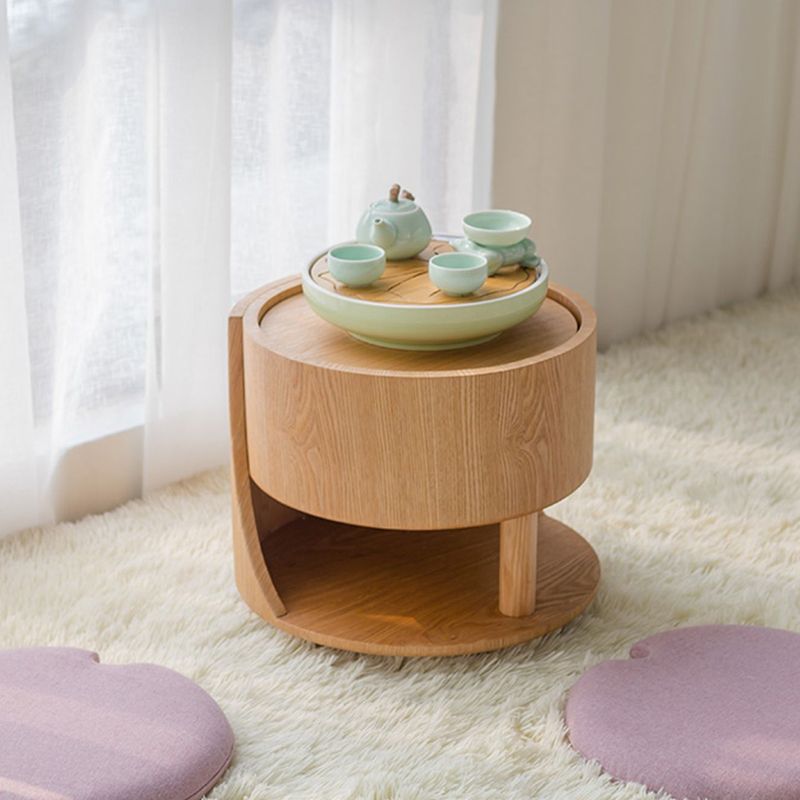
x=657, y=146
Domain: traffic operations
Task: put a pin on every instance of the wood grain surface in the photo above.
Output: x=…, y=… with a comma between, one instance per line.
x=406, y=282
x=420, y=593
x=408, y=452
x=251, y=573
x=518, y=558
x=359, y=434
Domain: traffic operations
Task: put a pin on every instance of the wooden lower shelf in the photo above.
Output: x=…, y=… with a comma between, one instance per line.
x=419, y=593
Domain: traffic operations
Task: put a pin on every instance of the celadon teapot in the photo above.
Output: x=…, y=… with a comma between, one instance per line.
x=398, y=225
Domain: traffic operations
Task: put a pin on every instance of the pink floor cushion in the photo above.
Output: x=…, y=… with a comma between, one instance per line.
x=74, y=729
x=709, y=712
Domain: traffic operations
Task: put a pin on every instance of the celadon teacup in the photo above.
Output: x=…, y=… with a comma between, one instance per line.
x=496, y=227
x=356, y=265
x=458, y=274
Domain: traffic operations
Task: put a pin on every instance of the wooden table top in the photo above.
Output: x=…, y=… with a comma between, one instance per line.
x=291, y=328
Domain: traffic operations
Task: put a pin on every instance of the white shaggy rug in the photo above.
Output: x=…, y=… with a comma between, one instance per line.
x=693, y=507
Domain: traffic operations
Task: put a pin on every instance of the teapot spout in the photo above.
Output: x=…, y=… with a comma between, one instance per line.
x=383, y=233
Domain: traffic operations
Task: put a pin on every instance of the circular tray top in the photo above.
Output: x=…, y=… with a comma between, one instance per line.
x=407, y=283
x=291, y=329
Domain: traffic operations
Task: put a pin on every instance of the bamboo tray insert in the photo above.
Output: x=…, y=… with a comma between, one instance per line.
x=406, y=282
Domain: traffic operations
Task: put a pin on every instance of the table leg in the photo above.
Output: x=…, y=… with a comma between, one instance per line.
x=518, y=539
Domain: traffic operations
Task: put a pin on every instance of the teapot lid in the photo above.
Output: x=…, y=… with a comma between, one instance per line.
x=396, y=203
x=387, y=206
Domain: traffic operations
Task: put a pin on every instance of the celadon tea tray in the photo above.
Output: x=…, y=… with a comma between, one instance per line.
x=403, y=309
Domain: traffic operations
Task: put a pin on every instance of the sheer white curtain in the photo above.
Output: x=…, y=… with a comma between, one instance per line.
x=18, y=467
x=158, y=156
x=335, y=102
x=657, y=145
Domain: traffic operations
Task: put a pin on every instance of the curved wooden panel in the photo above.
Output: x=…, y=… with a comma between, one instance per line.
x=252, y=576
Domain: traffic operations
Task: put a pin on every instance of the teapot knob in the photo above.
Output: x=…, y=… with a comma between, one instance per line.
x=394, y=193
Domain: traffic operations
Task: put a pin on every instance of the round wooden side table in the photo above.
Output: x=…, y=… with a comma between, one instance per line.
x=389, y=501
